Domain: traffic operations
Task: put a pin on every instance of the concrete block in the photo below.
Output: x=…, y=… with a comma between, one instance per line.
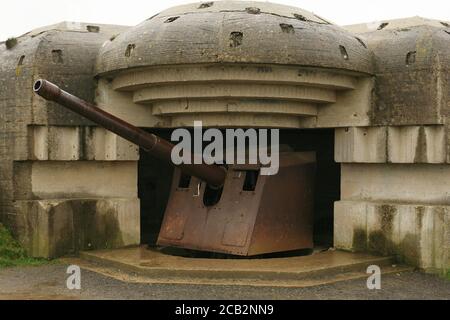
x=53, y=228
x=64, y=143
x=413, y=183
x=417, y=144
x=434, y=230
x=433, y=148
x=107, y=146
x=382, y=228
x=74, y=179
x=55, y=143
x=360, y=145
x=406, y=144
x=350, y=225
x=417, y=234
x=352, y=108
x=448, y=135
x=121, y=105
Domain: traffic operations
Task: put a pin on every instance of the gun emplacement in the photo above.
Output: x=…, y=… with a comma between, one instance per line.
x=156, y=146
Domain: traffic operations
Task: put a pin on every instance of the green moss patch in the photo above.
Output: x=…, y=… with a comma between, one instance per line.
x=12, y=254
x=11, y=43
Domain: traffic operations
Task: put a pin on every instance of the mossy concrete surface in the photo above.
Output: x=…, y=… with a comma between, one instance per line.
x=54, y=228
x=12, y=254
x=416, y=234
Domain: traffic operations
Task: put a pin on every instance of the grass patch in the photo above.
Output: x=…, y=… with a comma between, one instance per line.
x=448, y=275
x=11, y=43
x=12, y=254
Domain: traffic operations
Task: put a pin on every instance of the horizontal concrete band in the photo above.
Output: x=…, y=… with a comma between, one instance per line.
x=245, y=95
x=268, y=106
x=418, y=234
x=51, y=228
x=77, y=143
x=235, y=91
x=229, y=106
x=238, y=120
x=74, y=179
x=231, y=73
x=426, y=184
x=393, y=144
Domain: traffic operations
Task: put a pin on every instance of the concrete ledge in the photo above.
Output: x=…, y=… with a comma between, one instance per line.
x=77, y=143
x=167, y=106
x=152, y=266
x=34, y=180
x=417, y=234
x=52, y=228
x=417, y=144
x=393, y=144
x=361, y=145
x=426, y=184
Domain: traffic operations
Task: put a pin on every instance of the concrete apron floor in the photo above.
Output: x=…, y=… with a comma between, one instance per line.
x=144, y=265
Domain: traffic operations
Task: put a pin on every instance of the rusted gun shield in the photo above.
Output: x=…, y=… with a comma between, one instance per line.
x=255, y=215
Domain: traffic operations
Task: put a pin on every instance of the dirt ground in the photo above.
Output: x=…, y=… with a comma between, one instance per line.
x=49, y=282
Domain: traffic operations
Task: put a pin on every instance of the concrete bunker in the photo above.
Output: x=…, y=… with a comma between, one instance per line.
x=238, y=81
x=382, y=89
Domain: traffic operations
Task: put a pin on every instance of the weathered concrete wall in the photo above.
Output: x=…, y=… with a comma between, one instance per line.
x=240, y=94
x=393, y=144
x=411, y=61
x=417, y=234
x=395, y=193
x=53, y=228
x=243, y=32
x=76, y=143
x=54, y=197
x=74, y=179
x=403, y=183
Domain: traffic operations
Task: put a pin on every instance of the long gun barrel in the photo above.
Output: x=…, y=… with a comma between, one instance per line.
x=156, y=146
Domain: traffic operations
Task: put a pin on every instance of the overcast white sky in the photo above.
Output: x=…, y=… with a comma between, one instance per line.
x=18, y=17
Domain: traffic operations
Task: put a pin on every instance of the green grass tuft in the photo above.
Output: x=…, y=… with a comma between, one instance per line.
x=12, y=254
x=11, y=43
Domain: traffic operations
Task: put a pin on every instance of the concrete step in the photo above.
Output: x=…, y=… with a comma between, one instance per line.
x=150, y=266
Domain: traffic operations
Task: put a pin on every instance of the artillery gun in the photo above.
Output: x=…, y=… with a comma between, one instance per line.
x=233, y=210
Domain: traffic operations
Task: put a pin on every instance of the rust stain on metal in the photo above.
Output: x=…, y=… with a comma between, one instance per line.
x=275, y=216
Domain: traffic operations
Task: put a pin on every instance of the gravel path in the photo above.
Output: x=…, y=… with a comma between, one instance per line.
x=49, y=282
